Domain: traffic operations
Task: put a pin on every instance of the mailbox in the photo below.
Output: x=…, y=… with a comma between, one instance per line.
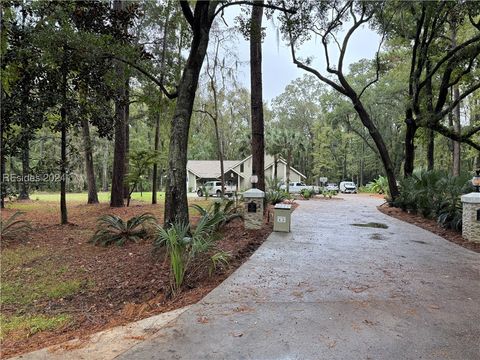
x=478, y=215
x=252, y=207
x=282, y=216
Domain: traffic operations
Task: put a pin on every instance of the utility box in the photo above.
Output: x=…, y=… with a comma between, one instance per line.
x=282, y=217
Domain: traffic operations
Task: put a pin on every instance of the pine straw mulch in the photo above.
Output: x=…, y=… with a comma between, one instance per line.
x=430, y=225
x=119, y=284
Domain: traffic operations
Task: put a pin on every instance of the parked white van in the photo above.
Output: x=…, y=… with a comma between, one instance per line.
x=348, y=187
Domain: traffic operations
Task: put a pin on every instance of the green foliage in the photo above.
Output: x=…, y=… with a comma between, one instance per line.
x=329, y=193
x=25, y=326
x=218, y=260
x=186, y=247
x=379, y=185
x=307, y=193
x=218, y=213
x=111, y=229
x=435, y=195
x=276, y=196
x=273, y=183
x=141, y=162
x=13, y=227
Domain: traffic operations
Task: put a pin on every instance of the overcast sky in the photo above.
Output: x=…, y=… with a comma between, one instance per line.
x=278, y=68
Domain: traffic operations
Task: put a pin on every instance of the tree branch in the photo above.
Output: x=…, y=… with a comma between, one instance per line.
x=254, y=3
x=187, y=12
x=313, y=71
x=147, y=74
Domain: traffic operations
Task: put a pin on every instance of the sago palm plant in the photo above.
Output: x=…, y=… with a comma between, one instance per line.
x=13, y=227
x=111, y=229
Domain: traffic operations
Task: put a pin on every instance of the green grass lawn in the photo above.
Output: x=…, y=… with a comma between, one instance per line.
x=103, y=196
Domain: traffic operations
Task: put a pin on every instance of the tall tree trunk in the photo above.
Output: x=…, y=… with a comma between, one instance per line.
x=88, y=151
x=287, y=173
x=176, y=204
x=380, y=144
x=457, y=153
x=23, y=195
x=155, y=165
x=126, y=187
x=63, y=142
x=3, y=174
x=409, y=144
x=119, y=154
x=105, y=170
x=63, y=168
x=275, y=166
x=258, y=136
x=430, y=149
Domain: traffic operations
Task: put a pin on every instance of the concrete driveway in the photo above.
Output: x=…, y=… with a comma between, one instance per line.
x=331, y=290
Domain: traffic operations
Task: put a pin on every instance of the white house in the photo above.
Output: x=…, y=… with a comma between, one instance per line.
x=237, y=173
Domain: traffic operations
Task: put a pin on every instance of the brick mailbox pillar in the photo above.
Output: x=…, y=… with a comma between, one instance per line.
x=471, y=216
x=253, y=214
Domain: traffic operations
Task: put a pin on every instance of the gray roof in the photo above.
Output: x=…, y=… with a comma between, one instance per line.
x=209, y=169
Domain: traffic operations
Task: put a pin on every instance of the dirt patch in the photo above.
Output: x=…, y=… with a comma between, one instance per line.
x=430, y=225
x=113, y=285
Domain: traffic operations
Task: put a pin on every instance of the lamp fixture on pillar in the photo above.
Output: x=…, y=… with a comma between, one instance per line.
x=476, y=180
x=254, y=180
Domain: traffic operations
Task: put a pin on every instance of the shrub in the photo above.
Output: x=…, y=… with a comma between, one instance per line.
x=111, y=229
x=276, y=196
x=185, y=247
x=307, y=193
x=434, y=195
x=329, y=193
x=379, y=185
x=274, y=183
x=14, y=227
x=219, y=213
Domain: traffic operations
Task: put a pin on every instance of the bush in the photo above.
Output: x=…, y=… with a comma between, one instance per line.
x=185, y=247
x=219, y=213
x=379, y=186
x=111, y=229
x=329, y=193
x=274, y=197
x=307, y=193
x=13, y=227
x=434, y=195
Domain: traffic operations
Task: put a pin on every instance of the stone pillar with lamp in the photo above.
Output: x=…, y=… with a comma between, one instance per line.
x=471, y=212
x=253, y=200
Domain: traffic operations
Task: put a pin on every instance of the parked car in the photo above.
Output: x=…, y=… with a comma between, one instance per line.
x=214, y=188
x=296, y=187
x=331, y=187
x=348, y=187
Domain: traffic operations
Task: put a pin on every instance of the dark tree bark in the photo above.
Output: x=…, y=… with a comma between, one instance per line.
x=2, y=163
x=24, y=191
x=63, y=168
x=456, y=155
x=126, y=189
x=119, y=155
x=430, y=150
x=88, y=152
x=409, y=144
x=258, y=128
x=176, y=204
x=155, y=166
x=118, y=173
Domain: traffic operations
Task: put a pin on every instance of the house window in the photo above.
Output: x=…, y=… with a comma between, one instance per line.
x=241, y=168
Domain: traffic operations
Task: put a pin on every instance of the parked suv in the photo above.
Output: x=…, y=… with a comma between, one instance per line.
x=214, y=188
x=331, y=187
x=348, y=187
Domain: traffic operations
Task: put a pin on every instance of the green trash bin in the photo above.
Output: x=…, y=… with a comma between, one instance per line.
x=282, y=216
